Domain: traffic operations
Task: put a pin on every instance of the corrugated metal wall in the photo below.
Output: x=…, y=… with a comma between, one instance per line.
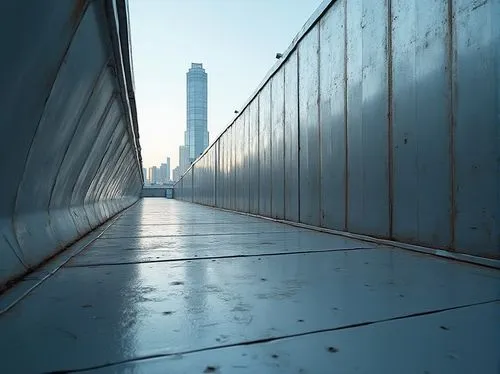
x=69, y=154
x=383, y=119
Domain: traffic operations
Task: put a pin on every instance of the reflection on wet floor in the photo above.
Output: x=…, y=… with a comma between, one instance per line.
x=182, y=288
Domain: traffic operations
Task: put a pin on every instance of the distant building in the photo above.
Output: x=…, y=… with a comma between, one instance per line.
x=175, y=174
x=153, y=175
x=145, y=175
x=168, y=169
x=196, y=135
x=184, y=159
x=163, y=174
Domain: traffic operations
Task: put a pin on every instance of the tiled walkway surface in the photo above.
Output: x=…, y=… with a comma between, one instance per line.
x=173, y=287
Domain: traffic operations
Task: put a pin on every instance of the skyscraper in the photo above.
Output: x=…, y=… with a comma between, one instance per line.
x=168, y=170
x=196, y=135
x=184, y=159
x=163, y=174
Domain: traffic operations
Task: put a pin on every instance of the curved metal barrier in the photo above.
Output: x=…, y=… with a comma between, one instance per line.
x=69, y=150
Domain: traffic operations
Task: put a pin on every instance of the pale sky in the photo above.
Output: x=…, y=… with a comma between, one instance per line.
x=236, y=40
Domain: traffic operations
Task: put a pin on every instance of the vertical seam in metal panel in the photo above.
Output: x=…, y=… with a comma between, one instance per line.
x=451, y=77
x=271, y=212
x=346, y=146
x=283, y=123
x=298, y=136
x=258, y=152
x=248, y=158
x=318, y=104
x=389, y=112
x=216, y=171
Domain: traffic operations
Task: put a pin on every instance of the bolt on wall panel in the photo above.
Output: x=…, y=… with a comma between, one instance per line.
x=291, y=138
x=264, y=136
x=309, y=156
x=278, y=144
x=253, y=109
x=332, y=117
x=421, y=122
x=477, y=126
x=367, y=118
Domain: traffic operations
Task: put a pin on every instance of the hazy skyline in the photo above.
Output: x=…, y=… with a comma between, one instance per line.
x=236, y=40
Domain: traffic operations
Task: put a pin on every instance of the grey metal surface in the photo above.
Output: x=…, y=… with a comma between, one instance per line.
x=61, y=110
x=253, y=111
x=244, y=188
x=250, y=301
x=265, y=167
x=421, y=79
x=278, y=145
x=354, y=350
x=476, y=105
x=292, y=151
x=309, y=135
x=367, y=118
x=391, y=124
x=333, y=134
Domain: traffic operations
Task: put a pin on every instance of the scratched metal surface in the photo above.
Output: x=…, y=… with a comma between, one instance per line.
x=279, y=309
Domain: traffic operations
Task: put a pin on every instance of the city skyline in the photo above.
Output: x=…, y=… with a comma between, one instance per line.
x=168, y=35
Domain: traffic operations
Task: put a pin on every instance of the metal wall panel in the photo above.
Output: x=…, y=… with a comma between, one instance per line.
x=213, y=175
x=378, y=121
x=367, y=118
x=253, y=109
x=332, y=117
x=421, y=122
x=239, y=169
x=265, y=172
x=477, y=126
x=291, y=138
x=278, y=145
x=223, y=171
x=218, y=175
x=245, y=183
x=310, y=189
x=231, y=173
